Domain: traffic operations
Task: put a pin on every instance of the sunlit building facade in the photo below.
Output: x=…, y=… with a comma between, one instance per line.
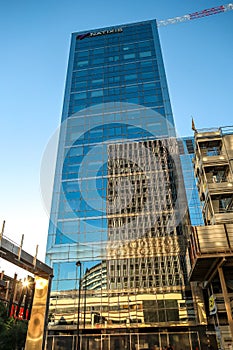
x=119, y=206
x=211, y=247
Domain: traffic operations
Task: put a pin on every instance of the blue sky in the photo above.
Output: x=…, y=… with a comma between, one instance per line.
x=35, y=37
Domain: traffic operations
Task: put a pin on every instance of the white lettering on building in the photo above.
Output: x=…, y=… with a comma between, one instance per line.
x=104, y=32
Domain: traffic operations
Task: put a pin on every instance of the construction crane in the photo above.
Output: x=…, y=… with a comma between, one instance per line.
x=196, y=15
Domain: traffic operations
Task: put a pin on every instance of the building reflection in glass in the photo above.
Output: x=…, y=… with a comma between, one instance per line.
x=143, y=280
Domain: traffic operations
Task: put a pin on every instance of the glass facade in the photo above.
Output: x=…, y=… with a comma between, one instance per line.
x=119, y=205
x=187, y=153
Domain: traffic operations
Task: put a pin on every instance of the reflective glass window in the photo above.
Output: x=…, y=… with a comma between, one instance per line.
x=82, y=54
x=145, y=54
x=129, y=56
x=82, y=63
x=97, y=93
x=80, y=96
x=113, y=58
x=130, y=76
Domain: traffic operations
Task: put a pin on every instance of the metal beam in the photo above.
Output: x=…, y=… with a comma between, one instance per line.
x=10, y=252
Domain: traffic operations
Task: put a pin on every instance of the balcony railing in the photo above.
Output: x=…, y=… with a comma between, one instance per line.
x=213, y=239
x=220, y=187
x=208, y=246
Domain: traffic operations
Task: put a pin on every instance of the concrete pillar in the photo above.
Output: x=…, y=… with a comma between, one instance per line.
x=226, y=299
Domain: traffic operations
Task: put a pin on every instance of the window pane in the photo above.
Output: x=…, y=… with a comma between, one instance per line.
x=97, y=93
x=145, y=54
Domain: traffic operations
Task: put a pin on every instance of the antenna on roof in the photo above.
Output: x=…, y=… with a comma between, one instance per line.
x=193, y=125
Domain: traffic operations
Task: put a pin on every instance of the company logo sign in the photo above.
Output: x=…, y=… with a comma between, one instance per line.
x=102, y=32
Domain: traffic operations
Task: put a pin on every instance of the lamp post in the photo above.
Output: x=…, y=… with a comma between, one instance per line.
x=78, y=264
x=85, y=298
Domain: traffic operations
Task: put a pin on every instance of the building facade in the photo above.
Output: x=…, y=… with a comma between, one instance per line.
x=119, y=220
x=186, y=147
x=212, y=243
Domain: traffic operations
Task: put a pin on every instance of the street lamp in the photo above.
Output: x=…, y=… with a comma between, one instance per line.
x=85, y=297
x=78, y=264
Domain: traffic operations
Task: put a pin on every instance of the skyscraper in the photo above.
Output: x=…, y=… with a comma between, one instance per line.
x=118, y=228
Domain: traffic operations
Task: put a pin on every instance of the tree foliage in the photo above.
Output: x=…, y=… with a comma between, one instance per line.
x=12, y=332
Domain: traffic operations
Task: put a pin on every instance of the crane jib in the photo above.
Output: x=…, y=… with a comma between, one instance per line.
x=196, y=15
x=208, y=12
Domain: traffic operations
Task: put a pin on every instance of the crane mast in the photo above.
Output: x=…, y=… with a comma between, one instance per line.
x=196, y=15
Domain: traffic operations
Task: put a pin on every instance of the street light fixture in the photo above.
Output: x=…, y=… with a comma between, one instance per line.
x=79, y=264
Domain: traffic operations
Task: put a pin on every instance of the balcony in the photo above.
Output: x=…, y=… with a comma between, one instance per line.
x=208, y=161
x=208, y=245
x=217, y=188
x=214, y=160
x=206, y=135
x=220, y=187
x=223, y=217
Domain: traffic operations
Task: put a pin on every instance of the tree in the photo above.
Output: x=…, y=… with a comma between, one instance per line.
x=12, y=332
